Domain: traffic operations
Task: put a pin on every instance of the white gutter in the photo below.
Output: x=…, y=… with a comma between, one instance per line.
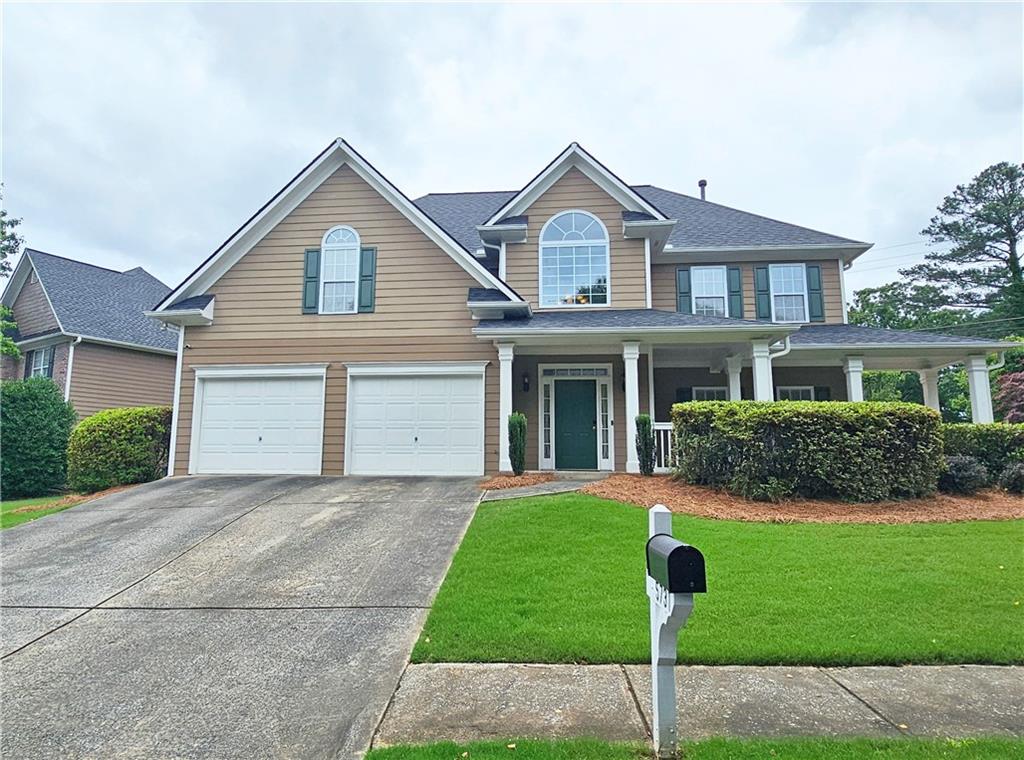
x=71, y=364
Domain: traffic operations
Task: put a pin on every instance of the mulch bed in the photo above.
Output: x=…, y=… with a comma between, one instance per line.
x=706, y=502
x=70, y=500
x=498, y=482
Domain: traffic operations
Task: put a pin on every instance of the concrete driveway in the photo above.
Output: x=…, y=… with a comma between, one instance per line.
x=220, y=616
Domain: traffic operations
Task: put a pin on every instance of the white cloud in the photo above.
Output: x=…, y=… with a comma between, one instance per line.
x=146, y=134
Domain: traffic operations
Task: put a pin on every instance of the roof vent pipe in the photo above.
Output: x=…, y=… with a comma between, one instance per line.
x=702, y=184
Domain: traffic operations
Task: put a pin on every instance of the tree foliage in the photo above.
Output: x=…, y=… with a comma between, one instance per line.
x=1010, y=397
x=10, y=244
x=905, y=306
x=979, y=226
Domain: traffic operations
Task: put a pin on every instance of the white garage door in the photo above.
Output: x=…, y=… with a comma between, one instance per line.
x=266, y=425
x=416, y=425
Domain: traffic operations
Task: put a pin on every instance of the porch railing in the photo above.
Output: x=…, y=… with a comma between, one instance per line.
x=664, y=457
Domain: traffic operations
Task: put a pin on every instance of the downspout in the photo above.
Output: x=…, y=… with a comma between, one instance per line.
x=71, y=364
x=787, y=348
x=177, y=401
x=999, y=364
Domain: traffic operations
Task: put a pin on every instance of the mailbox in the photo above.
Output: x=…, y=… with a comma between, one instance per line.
x=677, y=567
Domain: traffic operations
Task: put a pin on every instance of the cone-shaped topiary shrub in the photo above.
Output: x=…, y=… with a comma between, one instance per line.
x=517, y=441
x=645, y=444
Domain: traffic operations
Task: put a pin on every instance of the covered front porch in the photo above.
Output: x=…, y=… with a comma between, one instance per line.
x=581, y=392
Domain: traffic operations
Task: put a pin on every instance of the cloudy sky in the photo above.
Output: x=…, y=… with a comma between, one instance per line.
x=145, y=134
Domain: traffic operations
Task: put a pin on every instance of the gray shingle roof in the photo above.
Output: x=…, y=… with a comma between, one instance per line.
x=101, y=303
x=613, y=319
x=478, y=295
x=701, y=224
x=195, y=302
x=811, y=336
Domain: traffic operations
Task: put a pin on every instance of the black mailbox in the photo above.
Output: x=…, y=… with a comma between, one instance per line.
x=677, y=566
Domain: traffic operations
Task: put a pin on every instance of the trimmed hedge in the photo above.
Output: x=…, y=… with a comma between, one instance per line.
x=1012, y=478
x=994, y=444
x=861, y=451
x=963, y=474
x=118, y=447
x=35, y=422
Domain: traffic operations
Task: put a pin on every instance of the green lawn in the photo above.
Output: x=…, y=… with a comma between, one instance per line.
x=9, y=518
x=719, y=749
x=560, y=579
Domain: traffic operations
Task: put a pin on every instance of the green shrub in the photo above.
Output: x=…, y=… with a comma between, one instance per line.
x=963, y=474
x=826, y=449
x=117, y=447
x=994, y=444
x=1012, y=478
x=35, y=422
x=645, y=444
x=517, y=441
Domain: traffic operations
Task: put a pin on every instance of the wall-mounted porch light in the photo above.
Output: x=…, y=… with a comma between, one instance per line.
x=526, y=382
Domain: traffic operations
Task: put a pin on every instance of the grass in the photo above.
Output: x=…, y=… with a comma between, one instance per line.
x=561, y=579
x=719, y=749
x=41, y=506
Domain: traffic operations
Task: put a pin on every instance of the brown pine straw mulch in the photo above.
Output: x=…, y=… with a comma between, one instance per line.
x=707, y=502
x=70, y=500
x=498, y=482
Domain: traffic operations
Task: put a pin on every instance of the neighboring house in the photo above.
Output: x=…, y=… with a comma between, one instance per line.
x=347, y=329
x=84, y=326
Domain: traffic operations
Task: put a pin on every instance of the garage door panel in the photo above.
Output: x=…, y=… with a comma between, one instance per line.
x=430, y=425
x=260, y=425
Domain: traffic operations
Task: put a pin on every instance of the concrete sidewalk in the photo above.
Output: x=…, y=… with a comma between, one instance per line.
x=467, y=702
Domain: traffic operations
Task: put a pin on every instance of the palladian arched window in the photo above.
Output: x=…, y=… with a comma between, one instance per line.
x=574, y=261
x=339, y=271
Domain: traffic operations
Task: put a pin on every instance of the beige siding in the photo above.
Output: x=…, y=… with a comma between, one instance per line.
x=663, y=287
x=527, y=401
x=420, y=314
x=668, y=379
x=103, y=377
x=574, y=190
x=32, y=311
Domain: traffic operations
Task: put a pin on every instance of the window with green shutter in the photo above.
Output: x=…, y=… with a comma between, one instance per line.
x=367, y=278
x=311, y=282
x=683, y=303
x=815, y=298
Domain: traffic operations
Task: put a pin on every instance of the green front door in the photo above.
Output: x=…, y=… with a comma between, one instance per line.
x=575, y=425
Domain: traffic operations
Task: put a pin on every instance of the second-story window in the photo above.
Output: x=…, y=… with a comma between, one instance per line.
x=789, y=292
x=339, y=271
x=574, y=261
x=709, y=290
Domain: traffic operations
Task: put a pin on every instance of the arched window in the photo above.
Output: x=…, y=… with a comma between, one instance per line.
x=339, y=271
x=573, y=261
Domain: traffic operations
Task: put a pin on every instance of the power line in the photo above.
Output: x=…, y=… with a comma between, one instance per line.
x=971, y=324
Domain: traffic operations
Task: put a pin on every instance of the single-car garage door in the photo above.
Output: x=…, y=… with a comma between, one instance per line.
x=261, y=425
x=410, y=424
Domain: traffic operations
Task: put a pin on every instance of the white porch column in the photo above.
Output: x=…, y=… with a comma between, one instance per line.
x=930, y=387
x=762, y=366
x=853, y=366
x=630, y=357
x=505, y=353
x=981, y=391
x=734, y=365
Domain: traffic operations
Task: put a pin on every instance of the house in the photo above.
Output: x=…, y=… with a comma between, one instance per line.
x=346, y=329
x=84, y=326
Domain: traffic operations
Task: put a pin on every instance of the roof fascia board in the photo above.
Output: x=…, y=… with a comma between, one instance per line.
x=185, y=317
x=757, y=248
x=26, y=256
x=127, y=345
x=854, y=347
x=13, y=288
x=301, y=187
x=43, y=340
x=774, y=329
x=574, y=156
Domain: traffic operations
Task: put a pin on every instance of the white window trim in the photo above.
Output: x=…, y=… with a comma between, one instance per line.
x=725, y=293
x=44, y=351
x=571, y=244
x=771, y=293
x=355, y=283
x=238, y=371
x=799, y=388
x=715, y=388
x=603, y=464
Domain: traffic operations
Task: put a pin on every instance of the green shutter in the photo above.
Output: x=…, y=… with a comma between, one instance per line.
x=735, y=279
x=684, y=305
x=311, y=282
x=815, y=300
x=683, y=395
x=762, y=293
x=822, y=393
x=28, y=364
x=49, y=361
x=367, y=278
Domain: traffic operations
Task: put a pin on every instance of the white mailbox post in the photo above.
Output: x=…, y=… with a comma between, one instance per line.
x=675, y=571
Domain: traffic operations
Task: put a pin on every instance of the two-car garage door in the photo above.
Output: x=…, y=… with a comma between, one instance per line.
x=401, y=421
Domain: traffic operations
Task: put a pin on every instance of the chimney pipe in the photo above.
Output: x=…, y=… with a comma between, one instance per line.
x=702, y=184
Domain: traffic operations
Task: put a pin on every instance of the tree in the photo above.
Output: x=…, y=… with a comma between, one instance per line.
x=980, y=227
x=904, y=306
x=1010, y=397
x=10, y=244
